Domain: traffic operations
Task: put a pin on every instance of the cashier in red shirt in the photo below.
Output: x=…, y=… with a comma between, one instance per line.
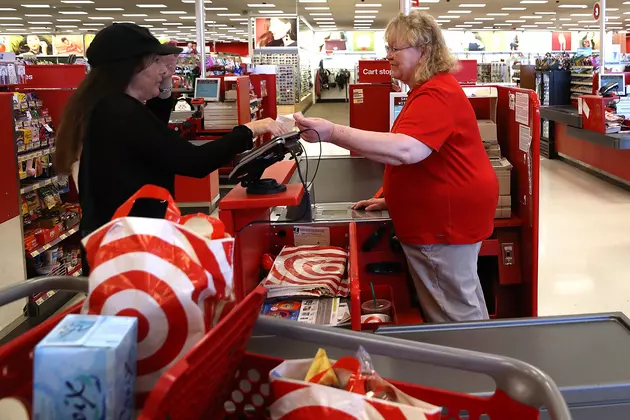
x=440, y=188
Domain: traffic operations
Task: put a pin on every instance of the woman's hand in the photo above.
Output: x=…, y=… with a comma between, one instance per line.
x=266, y=126
x=314, y=126
x=170, y=62
x=373, y=204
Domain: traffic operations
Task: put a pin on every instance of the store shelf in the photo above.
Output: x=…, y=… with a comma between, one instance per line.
x=582, y=75
x=582, y=83
x=54, y=242
x=44, y=297
x=37, y=153
x=38, y=184
x=76, y=272
x=581, y=67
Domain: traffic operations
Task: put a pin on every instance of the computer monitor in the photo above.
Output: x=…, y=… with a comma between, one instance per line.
x=396, y=102
x=208, y=88
x=619, y=78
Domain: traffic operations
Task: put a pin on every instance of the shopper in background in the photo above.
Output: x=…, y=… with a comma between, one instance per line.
x=115, y=125
x=440, y=188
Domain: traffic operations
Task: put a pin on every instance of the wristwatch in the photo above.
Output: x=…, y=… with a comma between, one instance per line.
x=165, y=92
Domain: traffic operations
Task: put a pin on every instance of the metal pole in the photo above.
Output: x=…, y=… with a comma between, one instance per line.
x=602, y=39
x=200, y=15
x=405, y=6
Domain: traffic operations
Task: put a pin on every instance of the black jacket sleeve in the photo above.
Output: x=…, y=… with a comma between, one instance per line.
x=161, y=108
x=146, y=137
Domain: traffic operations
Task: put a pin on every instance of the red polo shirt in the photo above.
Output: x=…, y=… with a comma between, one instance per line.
x=451, y=196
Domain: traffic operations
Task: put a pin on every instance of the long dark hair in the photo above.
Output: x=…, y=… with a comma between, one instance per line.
x=102, y=81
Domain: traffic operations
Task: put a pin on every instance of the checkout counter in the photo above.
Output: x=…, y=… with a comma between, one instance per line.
x=581, y=139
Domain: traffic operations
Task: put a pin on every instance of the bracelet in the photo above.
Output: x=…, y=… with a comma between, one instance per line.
x=165, y=93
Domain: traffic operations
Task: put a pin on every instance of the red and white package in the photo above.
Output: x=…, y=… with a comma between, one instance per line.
x=176, y=281
x=357, y=397
x=309, y=271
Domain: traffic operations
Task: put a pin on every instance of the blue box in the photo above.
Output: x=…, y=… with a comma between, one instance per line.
x=85, y=368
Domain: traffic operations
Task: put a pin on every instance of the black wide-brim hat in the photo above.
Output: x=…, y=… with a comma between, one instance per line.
x=122, y=41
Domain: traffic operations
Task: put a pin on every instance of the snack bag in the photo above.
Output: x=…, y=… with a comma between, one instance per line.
x=176, y=281
x=299, y=392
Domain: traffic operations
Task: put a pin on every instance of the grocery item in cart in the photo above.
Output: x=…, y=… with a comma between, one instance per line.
x=177, y=282
x=355, y=392
x=308, y=271
x=85, y=368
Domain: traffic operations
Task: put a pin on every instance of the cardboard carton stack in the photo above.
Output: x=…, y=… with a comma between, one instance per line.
x=502, y=167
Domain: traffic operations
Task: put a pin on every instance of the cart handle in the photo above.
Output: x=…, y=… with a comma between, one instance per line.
x=521, y=381
x=38, y=285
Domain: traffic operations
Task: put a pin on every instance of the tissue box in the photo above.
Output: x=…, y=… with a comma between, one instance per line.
x=86, y=368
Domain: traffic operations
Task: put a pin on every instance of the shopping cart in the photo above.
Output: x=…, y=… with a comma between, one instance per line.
x=203, y=377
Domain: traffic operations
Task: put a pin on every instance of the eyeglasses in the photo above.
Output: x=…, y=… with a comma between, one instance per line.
x=393, y=50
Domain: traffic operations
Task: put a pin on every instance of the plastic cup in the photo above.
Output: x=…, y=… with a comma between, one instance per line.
x=383, y=306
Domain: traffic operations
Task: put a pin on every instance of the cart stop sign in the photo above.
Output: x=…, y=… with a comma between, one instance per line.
x=597, y=11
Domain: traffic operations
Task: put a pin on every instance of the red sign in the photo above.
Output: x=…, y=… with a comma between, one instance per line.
x=597, y=11
x=561, y=41
x=375, y=71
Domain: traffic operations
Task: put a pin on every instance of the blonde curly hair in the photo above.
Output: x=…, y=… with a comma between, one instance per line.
x=421, y=30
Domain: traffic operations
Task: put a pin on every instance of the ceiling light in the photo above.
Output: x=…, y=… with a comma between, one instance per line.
x=40, y=23
x=463, y=26
x=77, y=1
x=529, y=26
x=587, y=21
x=459, y=11
x=155, y=20
x=36, y=6
x=363, y=21
x=420, y=8
x=135, y=15
x=37, y=16
x=613, y=17
x=484, y=18
x=188, y=17
x=611, y=9
x=448, y=17
x=442, y=20
x=66, y=26
x=473, y=23
x=147, y=26
x=270, y=12
x=472, y=5
x=497, y=14
x=216, y=8
x=239, y=19
x=151, y=6
x=324, y=18
x=365, y=5
x=531, y=17
x=428, y=1
x=228, y=14
x=569, y=24
x=366, y=11
x=73, y=13
x=502, y=24
x=364, y=17
x=11, y=18
x=100, y=18
x=565, y=19
x=515, y=21
x=581, y=14
x=312, y=1
x=110, y=9
x=512, y=8
x=13, y=24
x=261, y=5
x=534, y=1
x=172, y=12
x=573, y=6
x=544, y=13
x=68, y=20
x=93, y=24
x=544, y=23
x=7, y=9
x=317, y=8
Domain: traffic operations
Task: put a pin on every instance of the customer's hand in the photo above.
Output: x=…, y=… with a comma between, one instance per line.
x=373, y=204
x=266, y=126
x=314, y=126
x=170, y=62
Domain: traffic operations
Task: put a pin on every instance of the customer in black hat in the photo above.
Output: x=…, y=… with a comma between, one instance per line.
x=115, y=126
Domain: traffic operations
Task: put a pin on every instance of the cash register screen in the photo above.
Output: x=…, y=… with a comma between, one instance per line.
x=397, y=102
x=208, y=89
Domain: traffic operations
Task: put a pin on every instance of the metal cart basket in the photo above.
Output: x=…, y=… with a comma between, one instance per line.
x=202, y=376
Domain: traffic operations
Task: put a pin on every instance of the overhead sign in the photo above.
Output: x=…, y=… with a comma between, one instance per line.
x=597, y=11
x=375, y=71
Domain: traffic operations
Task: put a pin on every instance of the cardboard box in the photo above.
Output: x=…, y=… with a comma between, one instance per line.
x=488, y=131
x=503, y=169
x=493, y=150
x=86, y=368
x=45, y=235
x=503, y=213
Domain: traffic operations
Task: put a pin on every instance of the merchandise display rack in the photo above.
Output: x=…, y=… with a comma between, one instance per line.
x=33, y=110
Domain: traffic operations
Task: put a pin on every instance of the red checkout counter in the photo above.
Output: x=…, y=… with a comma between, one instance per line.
x=581, y=139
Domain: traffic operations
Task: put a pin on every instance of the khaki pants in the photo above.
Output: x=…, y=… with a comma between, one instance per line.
x=446, y=281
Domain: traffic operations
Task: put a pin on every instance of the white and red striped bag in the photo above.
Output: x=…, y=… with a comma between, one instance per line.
x=309, y=271
x=176, y=281
x=295, y=399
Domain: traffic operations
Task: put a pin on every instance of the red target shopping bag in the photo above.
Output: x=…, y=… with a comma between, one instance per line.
x=356, y=398
x=173, y=274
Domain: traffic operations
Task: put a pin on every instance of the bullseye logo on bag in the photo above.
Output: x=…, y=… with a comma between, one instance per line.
x=318, y=270
x=174, y=281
